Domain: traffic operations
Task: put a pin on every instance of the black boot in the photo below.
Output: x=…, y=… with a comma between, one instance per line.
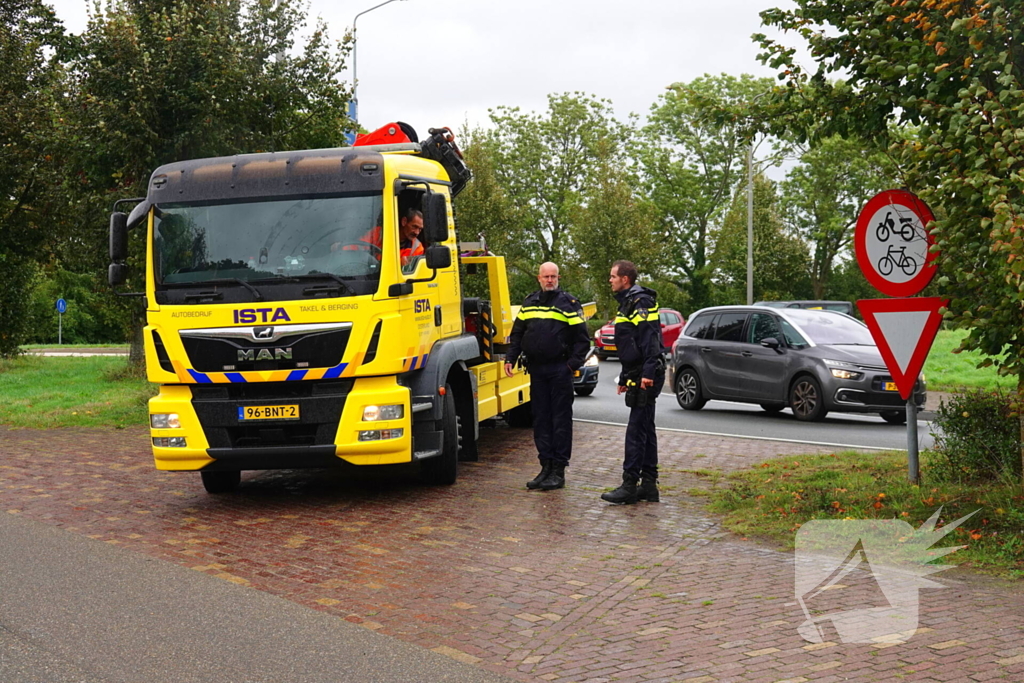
x=625, y=494
x=555, y=478
x=545, y=469
x=648, y=490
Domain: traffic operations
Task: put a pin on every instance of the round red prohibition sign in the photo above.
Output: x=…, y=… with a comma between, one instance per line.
x=892, y=243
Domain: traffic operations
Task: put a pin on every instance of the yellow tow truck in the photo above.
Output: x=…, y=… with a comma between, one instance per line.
x=285, y=329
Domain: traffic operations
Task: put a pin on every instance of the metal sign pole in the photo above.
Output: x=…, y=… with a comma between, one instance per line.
x=60, y=328
x=913, y=466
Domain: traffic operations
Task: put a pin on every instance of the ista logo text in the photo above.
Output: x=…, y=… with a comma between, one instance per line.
x=262, y=315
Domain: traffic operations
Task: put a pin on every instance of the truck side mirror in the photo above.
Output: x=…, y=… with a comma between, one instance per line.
x=118, y=236
x=117, y=273
x=438, y=256
x=435, y=218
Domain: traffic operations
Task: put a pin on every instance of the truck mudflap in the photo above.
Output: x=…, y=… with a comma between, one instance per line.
x=445, y=367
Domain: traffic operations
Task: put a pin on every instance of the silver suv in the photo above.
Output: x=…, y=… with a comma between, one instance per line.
x=811, y=361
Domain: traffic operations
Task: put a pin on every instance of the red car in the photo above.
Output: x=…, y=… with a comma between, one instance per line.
x=672, y=323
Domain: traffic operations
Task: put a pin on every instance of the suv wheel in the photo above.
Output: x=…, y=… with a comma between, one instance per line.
x=688, y=392
x=806, y=400
x=895, y=417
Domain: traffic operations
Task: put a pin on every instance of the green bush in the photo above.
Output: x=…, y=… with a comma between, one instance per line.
x=94, y=316
x=15, y=280
x=979, y=437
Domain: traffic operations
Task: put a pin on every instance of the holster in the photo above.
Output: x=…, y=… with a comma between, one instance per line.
x=637, y=397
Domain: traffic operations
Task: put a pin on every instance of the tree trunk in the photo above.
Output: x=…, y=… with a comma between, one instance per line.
x=1018, y=404
x=137, y=352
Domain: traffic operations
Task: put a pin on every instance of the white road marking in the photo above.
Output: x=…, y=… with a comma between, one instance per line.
x=753, y=438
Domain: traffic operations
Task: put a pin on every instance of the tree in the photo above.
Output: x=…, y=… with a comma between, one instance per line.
x=547, y=164
x=615, y=224
x=780, y=257
x=953, y=69
x=29, y=83
x=693, y=159
x=484, y=210
x=822, y=197
x=157, y=81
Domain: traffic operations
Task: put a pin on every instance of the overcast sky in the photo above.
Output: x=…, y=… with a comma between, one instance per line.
x=444, y=62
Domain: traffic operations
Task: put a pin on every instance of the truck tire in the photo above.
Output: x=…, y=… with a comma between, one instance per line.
x=221, y=482
x=443, y=470
x=520, y=417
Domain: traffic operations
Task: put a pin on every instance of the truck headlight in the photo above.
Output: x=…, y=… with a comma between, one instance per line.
x=164, y=421
x=381, y=434
x=389, y=412
x=169, y=442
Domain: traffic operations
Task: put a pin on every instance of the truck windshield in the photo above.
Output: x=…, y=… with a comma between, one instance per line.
x=338, y=237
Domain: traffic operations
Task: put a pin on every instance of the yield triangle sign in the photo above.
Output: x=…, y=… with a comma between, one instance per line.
x=904, y=330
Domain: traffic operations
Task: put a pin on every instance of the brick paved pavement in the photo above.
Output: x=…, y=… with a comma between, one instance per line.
x=540, y=586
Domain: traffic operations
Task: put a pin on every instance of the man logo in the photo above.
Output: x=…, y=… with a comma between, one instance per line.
x=259, y=333
x=264, y=354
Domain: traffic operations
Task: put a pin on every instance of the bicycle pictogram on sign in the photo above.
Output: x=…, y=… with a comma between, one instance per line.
x=892, y=243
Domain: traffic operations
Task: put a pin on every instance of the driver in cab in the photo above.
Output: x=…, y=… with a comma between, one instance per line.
x=410, y=225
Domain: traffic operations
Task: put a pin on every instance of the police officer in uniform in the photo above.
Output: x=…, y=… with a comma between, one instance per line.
x=551, y=334
x=639, y=343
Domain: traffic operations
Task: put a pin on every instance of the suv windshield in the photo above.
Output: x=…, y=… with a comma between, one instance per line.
x=265, y=241
x=831, y=328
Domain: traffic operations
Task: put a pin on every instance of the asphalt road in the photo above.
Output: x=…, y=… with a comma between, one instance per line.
x=842, y=430
x=74, y=610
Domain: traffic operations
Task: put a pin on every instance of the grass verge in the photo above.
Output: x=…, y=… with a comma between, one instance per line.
x=772, y=501
x=47, y=392
x=951, y=372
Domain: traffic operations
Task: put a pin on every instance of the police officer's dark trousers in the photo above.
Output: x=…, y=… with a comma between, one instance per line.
x=551, y=393
x=641, y=439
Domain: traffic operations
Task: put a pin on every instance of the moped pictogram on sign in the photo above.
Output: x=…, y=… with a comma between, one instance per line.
x=892, y=243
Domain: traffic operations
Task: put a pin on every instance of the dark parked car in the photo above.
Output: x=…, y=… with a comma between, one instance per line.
x=672, y=323
x=841, y=306
x=812, y=361
x=585, y=380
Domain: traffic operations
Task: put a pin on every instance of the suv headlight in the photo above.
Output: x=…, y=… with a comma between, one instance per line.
x=843, y=370
x=591, y=362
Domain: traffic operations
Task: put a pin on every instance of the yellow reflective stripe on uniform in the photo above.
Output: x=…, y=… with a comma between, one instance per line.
x=637, y=318
x=550, y=313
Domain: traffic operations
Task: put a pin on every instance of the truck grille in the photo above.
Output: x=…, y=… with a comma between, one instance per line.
x=320, y=406
x=220, y=353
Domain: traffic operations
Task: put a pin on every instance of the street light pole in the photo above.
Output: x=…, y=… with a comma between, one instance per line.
x=750, y=223
x=750, y=211
x=354, y=109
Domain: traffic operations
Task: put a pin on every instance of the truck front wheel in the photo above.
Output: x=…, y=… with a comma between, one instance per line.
x=221, y=482
x=442, y=470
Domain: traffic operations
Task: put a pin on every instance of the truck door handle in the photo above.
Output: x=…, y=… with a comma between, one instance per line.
x=437, y=316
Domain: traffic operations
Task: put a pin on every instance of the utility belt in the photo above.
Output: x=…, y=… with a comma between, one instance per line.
x=635, y=396
x=526, y=361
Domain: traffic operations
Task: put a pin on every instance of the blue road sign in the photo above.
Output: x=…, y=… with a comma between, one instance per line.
x=62, y=306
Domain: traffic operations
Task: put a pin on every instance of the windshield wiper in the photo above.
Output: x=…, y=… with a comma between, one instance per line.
x=343, y=286
x=218, y=281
